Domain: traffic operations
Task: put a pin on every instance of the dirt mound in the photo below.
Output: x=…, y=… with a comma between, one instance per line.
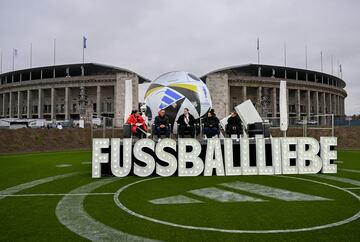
x=35, y=140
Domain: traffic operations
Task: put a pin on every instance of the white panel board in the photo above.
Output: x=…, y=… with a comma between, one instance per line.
x=248, y=113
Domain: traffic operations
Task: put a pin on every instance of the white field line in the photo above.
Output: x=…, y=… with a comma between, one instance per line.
x=117, y=196
x=339, y=162
x=220, y=195
x=339, y=179
x=24, y=186
x=57, y=194
x=352, y=188
x=71, y=213
x=86, y=162
x=349, y=170
x=276, y=193
x=63, y=165
x=179, y=199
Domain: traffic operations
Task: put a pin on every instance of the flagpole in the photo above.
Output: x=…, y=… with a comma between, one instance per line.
x=30, y=55
x=285, y=53
x=83, y=55
x=54, y=52
x=258, y=50
x=306, y=65
x=321, y=61
x=13, y=60
x=341, y=73
x=1, y=63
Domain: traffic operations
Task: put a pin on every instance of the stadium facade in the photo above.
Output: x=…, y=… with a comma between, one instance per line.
x=310, y=93
x=52, y=92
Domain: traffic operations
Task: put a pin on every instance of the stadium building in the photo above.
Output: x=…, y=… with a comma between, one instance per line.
x=310, y=93
x=52, y=92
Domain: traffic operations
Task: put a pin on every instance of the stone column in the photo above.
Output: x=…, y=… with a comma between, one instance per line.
x=19, y=104
x=274, y=102
x=258, y=100
x=219, y=89
x=10, y=105
x=308, y=97
x=1, y=106
x=66, y=102
x=317, y=105
x=244, y=93
x=324, y=102
x=52, y=104
x=298, y=104
x=339, y=109
x=28, y=106
x=40, y=103
x=330, y=103
x=98, y=101
x=4, y=105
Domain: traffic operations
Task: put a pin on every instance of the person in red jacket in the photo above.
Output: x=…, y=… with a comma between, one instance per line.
x=138, y=125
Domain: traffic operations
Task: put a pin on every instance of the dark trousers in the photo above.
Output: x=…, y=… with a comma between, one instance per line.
x=140, y=134
x=183, y=129
x=165, y=130
x=233, y=130
x=211, y=131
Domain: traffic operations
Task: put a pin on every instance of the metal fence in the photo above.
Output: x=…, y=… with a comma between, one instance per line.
x=320, y=122
x=105, y=127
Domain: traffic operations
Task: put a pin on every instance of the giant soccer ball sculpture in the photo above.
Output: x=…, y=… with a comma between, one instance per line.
x=175, y=91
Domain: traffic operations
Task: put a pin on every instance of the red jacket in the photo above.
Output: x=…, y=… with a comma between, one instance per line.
x=134, y=120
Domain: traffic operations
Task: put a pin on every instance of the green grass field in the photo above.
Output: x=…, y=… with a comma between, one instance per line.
x=38, y=204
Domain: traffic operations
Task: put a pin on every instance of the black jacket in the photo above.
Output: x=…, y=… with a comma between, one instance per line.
x=234, y=121
x=161, y=120
x=211, y=122
x=181, y=120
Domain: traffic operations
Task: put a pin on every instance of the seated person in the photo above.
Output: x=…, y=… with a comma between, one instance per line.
x=186, y=123
x=211, y=124
x=234, y=125
x=162, y=124
x=138, y=125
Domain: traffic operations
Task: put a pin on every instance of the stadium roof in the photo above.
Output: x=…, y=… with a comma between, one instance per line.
x=267, y=71
x=90, y=69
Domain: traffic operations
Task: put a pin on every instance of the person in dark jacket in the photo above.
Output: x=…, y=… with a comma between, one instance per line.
x=211, y=124
x=162, y=124
x=186, y=123
x=234, y=125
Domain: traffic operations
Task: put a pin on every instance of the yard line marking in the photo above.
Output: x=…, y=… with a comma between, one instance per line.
x=339, y=179
x=240, y=231
x=179, y=199
x=86, y=162
x=220, y=195
x=71, y=213
x=339, y=162
x=352, y=188
x=350, y=170
x=57, y=194
x=21, y=187
x=276, y=193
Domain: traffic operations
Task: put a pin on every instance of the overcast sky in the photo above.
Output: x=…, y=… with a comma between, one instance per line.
x=153, y=37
